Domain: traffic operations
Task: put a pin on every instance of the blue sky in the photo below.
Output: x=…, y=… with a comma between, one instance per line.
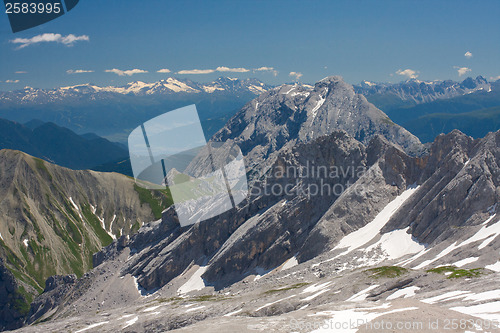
x=360, y=40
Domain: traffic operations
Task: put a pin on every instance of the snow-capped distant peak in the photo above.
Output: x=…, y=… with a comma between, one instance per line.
x=178, y=86
x=138, y=88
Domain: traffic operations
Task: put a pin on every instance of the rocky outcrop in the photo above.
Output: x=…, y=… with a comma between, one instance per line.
x=276, y=220
x=286, y=127
x=56, y=288
x=460, y=187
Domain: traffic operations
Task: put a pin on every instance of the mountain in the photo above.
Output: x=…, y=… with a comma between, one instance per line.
x=417, y=236
x=59, y=145
x=293, y=114
x=54, y=219
x=411, y=92
x=347, y=217
x=112, y=112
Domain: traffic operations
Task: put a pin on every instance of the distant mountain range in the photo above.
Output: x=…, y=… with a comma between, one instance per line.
x=414, y=91
x=169, y=86
x=112, y=112
x=59, y=145
x=427, y=109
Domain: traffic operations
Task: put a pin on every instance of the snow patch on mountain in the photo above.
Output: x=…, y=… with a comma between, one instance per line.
x=465, y=261
x=195, y=282
x=486, y=233
x=362, y=295
x=405, y=292
x=488, y=311
x=354, y=317
x=92, y=326
x=76, y=208
x=397, y=244
x=292, y=262
x=362, y=236
x=494, y=267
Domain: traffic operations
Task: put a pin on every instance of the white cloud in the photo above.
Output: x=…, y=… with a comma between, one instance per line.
x=222, y=69
x=21, y=72
x=262, y=69
x=267, y=69
x=297, y=75
x=128, y=72
x=493, y=78
x=163, y=70
x=11, y=81
x=68, y=40
x=233, y=70
x=462, y=70
x=468, y=55
x=78, y=71
x=196, y=71
x=409, y=73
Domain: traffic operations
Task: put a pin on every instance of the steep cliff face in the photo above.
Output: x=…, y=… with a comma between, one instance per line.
x=286, y=127
x=54, y=219
x=264, y=230
x=460, y=188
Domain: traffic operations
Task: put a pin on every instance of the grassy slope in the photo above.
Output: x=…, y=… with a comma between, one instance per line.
x=77, y=233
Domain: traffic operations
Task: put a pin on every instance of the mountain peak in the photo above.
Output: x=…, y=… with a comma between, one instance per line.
x=292, y=114
x=331, y=81
x=334, y=85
